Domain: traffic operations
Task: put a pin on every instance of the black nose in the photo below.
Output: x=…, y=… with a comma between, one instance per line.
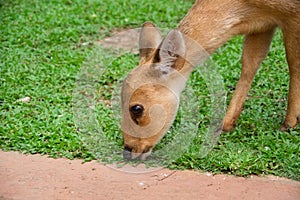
x=127, y=153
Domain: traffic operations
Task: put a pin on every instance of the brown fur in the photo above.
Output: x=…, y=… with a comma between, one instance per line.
x=211, y=23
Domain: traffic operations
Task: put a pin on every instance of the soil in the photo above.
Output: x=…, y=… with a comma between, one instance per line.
x=36, y=177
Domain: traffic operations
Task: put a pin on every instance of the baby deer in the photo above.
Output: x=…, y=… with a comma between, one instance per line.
x=150, y=93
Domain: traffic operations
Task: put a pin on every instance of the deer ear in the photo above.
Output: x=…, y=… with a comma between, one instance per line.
x=172, y=52
x=150, y=38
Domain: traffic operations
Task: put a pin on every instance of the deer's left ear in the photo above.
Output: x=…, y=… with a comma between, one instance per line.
x=150, y=38
x=171, y=52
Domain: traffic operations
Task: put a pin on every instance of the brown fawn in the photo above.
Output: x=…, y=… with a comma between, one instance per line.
x=150, y=93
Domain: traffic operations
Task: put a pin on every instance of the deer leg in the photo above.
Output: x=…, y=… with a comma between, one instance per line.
x=255, y=48
x=292, y=47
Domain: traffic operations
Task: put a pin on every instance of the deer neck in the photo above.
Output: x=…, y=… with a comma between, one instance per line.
x=212, y=23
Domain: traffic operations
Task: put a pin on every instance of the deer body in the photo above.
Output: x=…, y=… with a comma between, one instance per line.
x=210, y=23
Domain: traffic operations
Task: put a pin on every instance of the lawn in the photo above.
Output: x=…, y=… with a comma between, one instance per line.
x=44, y=45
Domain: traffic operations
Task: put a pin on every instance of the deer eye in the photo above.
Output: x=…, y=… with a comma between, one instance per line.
x=137, y=110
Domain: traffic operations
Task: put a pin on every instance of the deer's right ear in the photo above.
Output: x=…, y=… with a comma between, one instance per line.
x=150, y=39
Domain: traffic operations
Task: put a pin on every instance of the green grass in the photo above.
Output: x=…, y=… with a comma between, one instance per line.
x=42, y=50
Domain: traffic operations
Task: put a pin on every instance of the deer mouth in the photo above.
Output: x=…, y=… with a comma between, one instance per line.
x=129, y=155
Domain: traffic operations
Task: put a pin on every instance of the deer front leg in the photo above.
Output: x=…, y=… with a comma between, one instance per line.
x=292, y=46
x=255, y=48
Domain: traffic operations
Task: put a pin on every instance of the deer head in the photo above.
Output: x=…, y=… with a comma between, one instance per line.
x=151, y=92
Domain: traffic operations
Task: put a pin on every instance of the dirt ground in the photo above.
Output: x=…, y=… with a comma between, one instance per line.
x=35, y=177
